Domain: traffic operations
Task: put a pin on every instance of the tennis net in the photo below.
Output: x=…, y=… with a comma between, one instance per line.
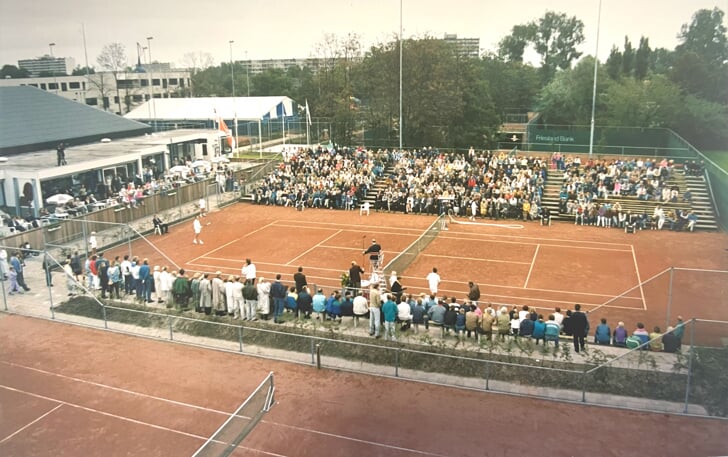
x=406, y=257
x=234, y=430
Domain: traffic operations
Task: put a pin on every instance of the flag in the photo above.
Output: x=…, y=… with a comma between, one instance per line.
x=308, y=114
x=224, y=128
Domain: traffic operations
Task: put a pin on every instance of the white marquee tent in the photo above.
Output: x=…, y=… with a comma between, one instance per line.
x=210, y=108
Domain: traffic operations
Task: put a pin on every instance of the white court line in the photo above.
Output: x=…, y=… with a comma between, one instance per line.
x=374, y=233
x=233, y=241
x=535, y=243
x=533, y=262
x=115, y=416
x=533, y=238
x=356, y=440
x=365, y=227
x=29, y=424
x=475, y=259
x=116, y=389
x=313, y=247
x=639, y=281
x=486, y=224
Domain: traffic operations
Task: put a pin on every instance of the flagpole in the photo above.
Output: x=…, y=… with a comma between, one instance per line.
x=594, y=89
x=308, y=125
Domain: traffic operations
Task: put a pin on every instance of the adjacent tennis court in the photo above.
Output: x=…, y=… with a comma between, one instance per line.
x=73, y=391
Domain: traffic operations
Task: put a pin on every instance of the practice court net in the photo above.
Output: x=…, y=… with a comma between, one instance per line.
x=406, y=257
x=227, y=438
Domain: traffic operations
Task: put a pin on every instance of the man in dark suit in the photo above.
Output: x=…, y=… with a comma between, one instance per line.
x=580, y=327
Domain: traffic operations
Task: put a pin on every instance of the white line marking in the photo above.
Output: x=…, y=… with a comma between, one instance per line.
x=532, y=238
x=476, y=259
x=356, y=440
x=365, y=227
x=29, y=424
x=486, y=224
x=533, y=262
x=639, y=281
x=533, y=243
x=313, y=247
x=115, y=416
x=116, y=389
x=216, y=249
x=375, y=234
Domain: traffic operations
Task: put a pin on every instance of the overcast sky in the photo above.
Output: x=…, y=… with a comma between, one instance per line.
x=293, y=28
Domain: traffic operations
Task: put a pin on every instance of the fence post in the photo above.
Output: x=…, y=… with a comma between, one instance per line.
x=83, y=233
x=669, y=297
x=240, y=337
x=318, y=356
x=103, y=311
x=396, y=362
x=487, y=375
x=313, y=352
x=171, y=334
x=690, y=366
x=5, y=297
x=583, y=386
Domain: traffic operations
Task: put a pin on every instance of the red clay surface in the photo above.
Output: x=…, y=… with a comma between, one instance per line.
x=72, y=391
x=540, y=266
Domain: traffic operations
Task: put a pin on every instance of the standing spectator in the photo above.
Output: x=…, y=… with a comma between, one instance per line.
x=13, y=278
x=102, y=268
x=375, y=309
x=300, y=279
x=206, y=294
x=278, y=292
x=166, y=281
x=433, y=280
x=114, y=273
x=93, y=243
x=70, y=279
x=218, y=294
x=126, y=273
x=47, y=265
x=76, y=266
x=181, y=290
x=4, y=265
x=238, y=299
x=558, y=317
x=355, y=273
x=473, y=293
x=579, y=327
x=603, y=334
x=17, y=264
x=202, y=203
x=157, y=277
x=264, y=298
x=389, y=309
x=195, y=291
x=144, y=283
x=228, y=286
x=61, y=154
x=249, y=271
x=197, y=229
x=250, y=296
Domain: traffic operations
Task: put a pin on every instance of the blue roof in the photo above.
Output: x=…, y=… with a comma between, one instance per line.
x=32, y=119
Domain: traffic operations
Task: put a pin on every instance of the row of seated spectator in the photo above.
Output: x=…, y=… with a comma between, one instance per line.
x=322, y=178
x=606, y=214
x=476, y=184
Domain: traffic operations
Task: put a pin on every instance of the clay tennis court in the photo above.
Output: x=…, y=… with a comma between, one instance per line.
x=513, y=262
x=72, y=391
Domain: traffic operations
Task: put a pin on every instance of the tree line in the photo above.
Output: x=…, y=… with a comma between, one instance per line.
x=461, y=101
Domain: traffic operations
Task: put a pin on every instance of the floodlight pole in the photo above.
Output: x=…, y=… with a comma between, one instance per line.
x=401, y=124
x=151, y=88
x=232, y=76
x=594, y=89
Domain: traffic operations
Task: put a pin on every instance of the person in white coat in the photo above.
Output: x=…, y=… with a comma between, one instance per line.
x=237, y=287
x=157, y=276
x=264, y=298
x=231, y=309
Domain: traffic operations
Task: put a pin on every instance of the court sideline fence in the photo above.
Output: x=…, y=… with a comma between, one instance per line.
x=233, y=431
x=690, y=382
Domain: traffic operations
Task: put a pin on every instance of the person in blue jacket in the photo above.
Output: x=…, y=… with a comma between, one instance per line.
x=539, y=329
x=389, y=310
x=603, y=333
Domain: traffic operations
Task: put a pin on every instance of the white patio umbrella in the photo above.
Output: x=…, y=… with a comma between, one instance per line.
x=220, y=159
x=59, y=199
x=201, y=163
x=179, y=169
